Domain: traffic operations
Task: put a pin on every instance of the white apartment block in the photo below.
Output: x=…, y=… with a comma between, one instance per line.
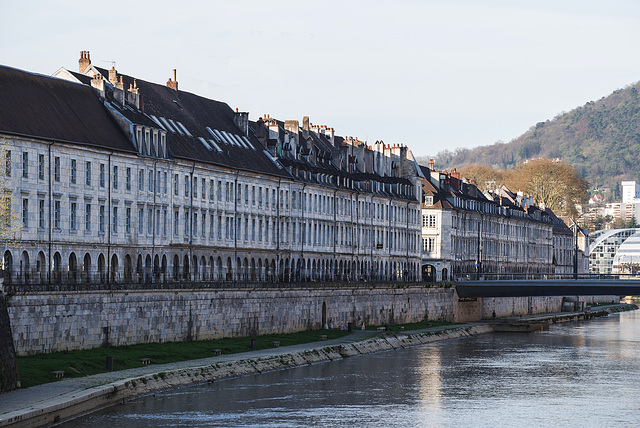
x=153, y=184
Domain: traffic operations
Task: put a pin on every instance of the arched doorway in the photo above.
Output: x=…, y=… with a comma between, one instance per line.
x=101, y=268
x=253, y=269
x=41, y=267
x=176, y=267
x=24, y=267
x=163, y=268
x=86, y=268
x=185, y=268
x=229, y=269
x=147, y=268
x=73, y=268
x=114, y=269
x=156, y=268
x=57, y=268
x=127, y=268
x=428, y=273
x=7, y=266
x=140, y=269
x=445, y=274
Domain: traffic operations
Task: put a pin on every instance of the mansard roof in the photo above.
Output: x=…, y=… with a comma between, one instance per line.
x=188, y=119
x=48, y=108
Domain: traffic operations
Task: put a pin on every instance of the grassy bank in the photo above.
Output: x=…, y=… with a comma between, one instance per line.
x=37, y=369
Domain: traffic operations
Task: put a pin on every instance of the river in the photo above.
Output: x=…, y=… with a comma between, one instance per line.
x=583, y=374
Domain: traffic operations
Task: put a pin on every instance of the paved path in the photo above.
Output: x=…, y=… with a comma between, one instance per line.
x=64, y=389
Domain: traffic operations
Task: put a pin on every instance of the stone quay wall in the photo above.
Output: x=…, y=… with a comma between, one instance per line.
x=57, y=321
x=47, y=322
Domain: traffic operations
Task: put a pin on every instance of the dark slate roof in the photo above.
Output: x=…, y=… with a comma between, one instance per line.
x=196, y=114
x=54, y=109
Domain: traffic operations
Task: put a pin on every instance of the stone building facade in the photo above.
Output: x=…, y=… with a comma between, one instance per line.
x=120, y=180
x=470, y=234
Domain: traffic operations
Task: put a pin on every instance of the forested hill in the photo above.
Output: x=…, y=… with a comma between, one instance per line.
x=600, y=139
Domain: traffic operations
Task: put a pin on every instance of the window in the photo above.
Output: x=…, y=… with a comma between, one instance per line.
x=101, y=218
x=203, y=189
x=56, y=214
x=25, y=212
x=128, y=179
x=41, y=213
x=73, y=216
x=140, y=221
x=253, y=195
x=186, y=186
x=157, y=222
x=25, y=164
x=87, y=217
x=219, y=190
x=150, y=221
x=429, y=220
x=140, y=180
x=7, y=164
x=102, y=175
x=176, y=222
x=74, y=171
x=164, y=220
x=211, y=225
x=175, y=184
x=115, y=177
x=211, y=185
x=164, y=184
x=56, y=168
x=219, y=227
x=127, y=220
x=195, y=187
x=41, y=167
x=246, y=194
x=115, y=220
x=87, y=173
x=429, y=244
x=151, y=181
x=186, y=222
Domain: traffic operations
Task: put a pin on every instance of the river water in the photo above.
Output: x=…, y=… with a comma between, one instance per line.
x=583, y=374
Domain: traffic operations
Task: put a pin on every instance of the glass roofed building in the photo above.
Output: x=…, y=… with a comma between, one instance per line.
x=611, y=249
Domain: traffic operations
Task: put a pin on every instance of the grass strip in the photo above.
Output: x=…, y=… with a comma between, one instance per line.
x=37, y=369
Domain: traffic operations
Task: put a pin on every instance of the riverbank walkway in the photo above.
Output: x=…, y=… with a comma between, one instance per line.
x=62, y=391
x=59, y=393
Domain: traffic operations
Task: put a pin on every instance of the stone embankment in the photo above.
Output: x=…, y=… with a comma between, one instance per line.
x=79, y=401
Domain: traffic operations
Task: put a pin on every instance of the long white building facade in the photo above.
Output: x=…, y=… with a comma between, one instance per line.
x=114, y=179
x=472, y=234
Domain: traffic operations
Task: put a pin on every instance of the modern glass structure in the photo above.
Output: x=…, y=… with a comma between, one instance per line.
x=612, y=249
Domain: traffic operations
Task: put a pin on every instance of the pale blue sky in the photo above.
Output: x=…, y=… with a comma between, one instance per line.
x=430, y=74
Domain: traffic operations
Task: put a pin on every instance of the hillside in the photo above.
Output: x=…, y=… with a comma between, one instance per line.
x=600, y=139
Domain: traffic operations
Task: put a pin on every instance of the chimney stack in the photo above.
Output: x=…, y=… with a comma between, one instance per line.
x=84, y=61
x=431, y=166
x=173, y=84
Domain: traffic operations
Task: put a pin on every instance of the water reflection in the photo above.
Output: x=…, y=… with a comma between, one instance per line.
x=579, y=373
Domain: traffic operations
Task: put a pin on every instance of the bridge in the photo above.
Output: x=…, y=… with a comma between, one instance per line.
x=589, y=286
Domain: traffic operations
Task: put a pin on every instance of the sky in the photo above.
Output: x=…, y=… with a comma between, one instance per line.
x=433, y=75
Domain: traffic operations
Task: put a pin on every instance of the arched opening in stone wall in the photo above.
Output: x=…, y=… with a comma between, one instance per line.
x=115, y=275
x=156, y=268
x=163, y=268
x=176, y=267
x=428, y=273
x=41, y=267
x=127, y=268
x=445, y=274
x=24, y=267
x=86, y=268
x=185, y=268
x=101, y=267
x=73, y=268
x=148, y=268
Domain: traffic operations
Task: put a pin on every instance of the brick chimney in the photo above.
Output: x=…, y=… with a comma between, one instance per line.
x=305, y=126
x=84, y=61
x=431, y=164
x=173, y=83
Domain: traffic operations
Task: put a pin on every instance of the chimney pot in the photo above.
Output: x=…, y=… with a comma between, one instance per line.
x=175, y=79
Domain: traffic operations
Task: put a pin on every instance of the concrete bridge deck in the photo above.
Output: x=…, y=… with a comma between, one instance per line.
x=550, y=287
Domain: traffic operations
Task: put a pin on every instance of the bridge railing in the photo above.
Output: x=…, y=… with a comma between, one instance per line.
x=542, y=276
